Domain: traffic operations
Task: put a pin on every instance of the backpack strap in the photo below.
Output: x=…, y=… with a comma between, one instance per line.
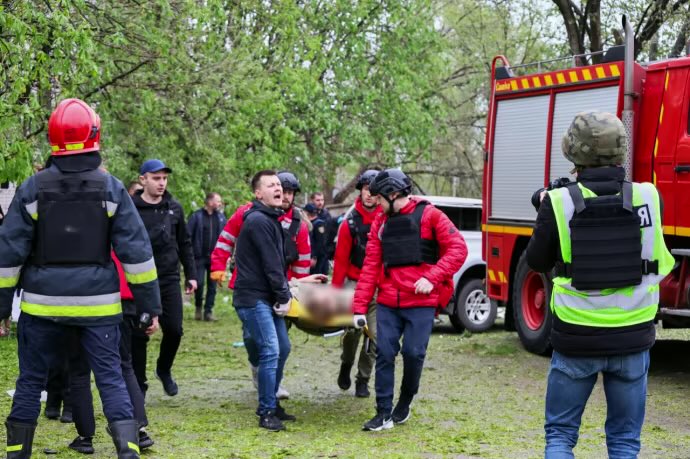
x=576, y=195
x=627, y=192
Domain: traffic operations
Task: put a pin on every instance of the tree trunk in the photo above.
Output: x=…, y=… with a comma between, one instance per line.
x=572, y=28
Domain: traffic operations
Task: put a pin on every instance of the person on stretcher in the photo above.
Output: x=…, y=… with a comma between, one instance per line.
x=321, y=302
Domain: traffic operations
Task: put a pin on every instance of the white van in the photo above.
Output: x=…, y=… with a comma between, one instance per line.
x=470, y=307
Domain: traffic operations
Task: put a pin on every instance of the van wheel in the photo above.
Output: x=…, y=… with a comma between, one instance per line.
x=531, y=296
x=473, y=307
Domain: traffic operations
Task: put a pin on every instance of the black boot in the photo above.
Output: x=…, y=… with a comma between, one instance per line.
x=53, y=403
x=145, y=441
x=344, y=381
x=362, y=388
x=66, y=417
x=20, y=437
x=83, y=445
x=126, y=438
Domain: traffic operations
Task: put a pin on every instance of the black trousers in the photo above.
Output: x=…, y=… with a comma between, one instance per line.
x=80, y=384
x=171, y=326
x=203, y=274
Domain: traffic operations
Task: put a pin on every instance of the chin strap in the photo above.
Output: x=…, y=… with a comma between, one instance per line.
x=391, y=207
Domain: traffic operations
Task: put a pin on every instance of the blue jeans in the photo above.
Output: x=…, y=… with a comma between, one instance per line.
x=250, y=345
x=414, y=326
x=272, y=340
x=571, y=380
x=43, y=344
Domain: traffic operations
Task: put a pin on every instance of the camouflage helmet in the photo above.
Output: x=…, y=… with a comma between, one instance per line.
x=595, y=139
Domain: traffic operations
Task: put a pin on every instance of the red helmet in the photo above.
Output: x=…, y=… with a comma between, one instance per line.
x=73, y=128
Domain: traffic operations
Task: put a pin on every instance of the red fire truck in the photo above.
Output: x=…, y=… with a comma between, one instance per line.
x=528, y=115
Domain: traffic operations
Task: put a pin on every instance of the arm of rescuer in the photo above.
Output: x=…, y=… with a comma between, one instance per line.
x=371, y=269
x=451, y=244
x=300, y=268
x=132, y=247
x=261, y=231
x=543, y=248
x=184, y=242
x=225, y=246
x=16, y=236
x=341, y=258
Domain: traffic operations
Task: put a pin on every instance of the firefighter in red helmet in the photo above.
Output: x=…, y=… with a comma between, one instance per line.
x=57, y=239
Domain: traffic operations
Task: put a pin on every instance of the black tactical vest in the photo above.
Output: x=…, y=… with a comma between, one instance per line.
x=73, y=226
x=402, y=241
x=290, y=236
x=360, y=236
x=606, y=243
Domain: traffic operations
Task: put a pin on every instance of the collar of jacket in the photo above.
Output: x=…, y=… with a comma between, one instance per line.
x=602, y=180
x=139, y=201
x=76, y=163
x=263, y=208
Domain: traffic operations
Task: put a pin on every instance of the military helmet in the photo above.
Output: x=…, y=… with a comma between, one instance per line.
x=595, y=139
x=366, y=178
x=289, y=181
x=390, y=181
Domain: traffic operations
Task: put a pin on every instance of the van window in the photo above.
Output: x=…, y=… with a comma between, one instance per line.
x=465, y=219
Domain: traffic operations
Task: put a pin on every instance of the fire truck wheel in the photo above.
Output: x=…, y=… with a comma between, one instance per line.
x=473, y=307
x=531, y=296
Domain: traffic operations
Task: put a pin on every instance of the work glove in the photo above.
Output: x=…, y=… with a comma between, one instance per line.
x=359, y=320
x=219, y=277
x=281, y=309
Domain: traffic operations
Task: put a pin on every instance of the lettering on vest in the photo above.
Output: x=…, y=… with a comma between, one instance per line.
x=645, y=216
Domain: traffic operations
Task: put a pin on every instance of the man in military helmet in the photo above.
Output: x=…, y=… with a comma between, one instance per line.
x=353, y=236
x=602, y=236
x=413, y=251
x=56, y=242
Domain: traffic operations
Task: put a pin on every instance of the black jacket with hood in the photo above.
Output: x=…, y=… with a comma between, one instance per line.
x=260, y=259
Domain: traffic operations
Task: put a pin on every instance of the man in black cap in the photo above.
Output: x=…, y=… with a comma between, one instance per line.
x=163, y=217
x=319, y=254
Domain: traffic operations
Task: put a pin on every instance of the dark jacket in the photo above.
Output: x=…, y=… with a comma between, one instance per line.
x=170, y=240
x=195, y=227
x=543, y=251
x=260, y=259
x=93, y=285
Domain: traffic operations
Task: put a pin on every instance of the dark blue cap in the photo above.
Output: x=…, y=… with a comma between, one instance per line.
x=154, y=165
x=311, y=209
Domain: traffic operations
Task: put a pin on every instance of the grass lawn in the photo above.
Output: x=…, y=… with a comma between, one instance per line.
x=481, y=396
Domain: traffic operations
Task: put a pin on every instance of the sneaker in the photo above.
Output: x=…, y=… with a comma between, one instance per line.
x=401, y=412
x=209, y=317
x=282, y=414
x=282, y=393
x=169, y=384
x=144, y=440
x=270, y=422
x=344, y=381
x=197, y=314
x=66, y=417
x=379, y=422
x=82, y=445
x=255, y=376
x=362, y=389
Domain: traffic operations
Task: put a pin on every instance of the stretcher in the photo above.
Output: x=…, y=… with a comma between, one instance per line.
x=300, y=317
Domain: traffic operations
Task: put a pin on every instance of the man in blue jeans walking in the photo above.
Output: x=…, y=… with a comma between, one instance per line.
x=262, y=295
x=604, y=237
x=413, y=251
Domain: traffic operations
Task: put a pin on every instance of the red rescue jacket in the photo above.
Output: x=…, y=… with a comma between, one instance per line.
x=343, y=268
x=396, y=284
x=228, y=238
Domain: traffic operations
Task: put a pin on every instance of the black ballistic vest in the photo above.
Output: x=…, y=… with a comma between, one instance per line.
x=402, y=241
x=360, y=236
x=73, y=226
x=606, y=243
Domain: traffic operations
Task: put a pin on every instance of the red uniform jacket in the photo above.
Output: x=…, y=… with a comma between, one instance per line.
x=228, y=237
x=343, y=268
x=396, y=285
